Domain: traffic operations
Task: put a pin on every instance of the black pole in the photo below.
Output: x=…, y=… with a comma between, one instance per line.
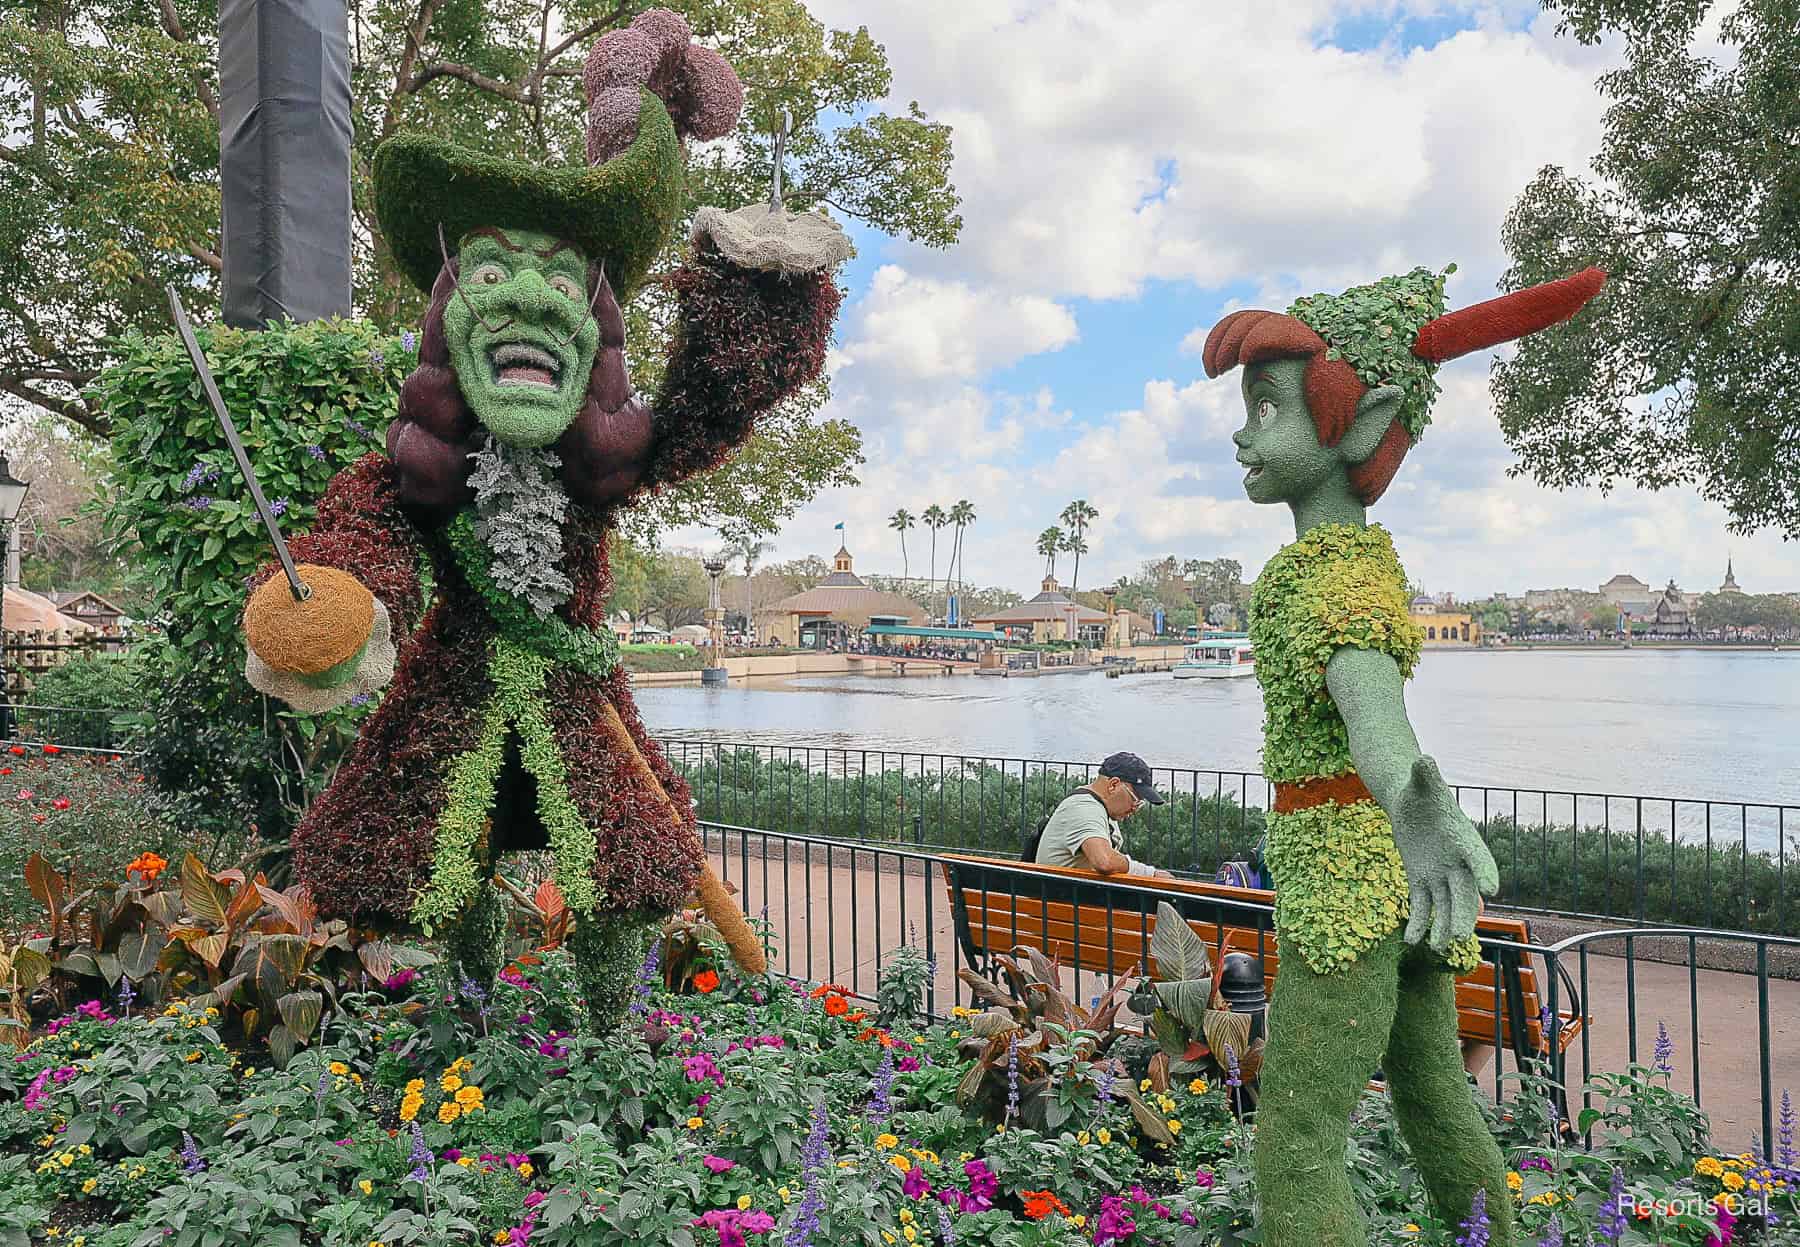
x=284, y=160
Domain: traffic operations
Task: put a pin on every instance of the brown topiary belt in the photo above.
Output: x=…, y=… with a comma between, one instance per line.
x=1345, y=789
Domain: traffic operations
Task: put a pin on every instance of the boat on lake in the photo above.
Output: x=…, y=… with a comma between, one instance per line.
x=1217, y=658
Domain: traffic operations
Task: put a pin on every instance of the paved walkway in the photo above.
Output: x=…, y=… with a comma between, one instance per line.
x=838, y=914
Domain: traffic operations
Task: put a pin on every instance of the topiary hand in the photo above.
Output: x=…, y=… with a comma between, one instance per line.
x=1448, y=867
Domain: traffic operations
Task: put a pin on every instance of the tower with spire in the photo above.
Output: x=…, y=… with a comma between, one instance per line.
x=1731, y=584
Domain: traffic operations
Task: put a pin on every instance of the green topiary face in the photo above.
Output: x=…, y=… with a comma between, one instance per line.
x=1279, y=442
x=519, y=333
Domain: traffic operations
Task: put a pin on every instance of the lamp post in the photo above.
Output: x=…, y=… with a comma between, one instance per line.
x=1112, y=613
x=12, y=498
x=714, y=672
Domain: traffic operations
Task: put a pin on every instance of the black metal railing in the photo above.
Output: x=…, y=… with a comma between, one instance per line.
x=1702, y=863
x=837, y=908
x=68, y=727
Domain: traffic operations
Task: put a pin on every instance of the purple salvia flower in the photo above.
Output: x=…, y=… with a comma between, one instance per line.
x=278, y=507
x=1665, y=1048
x=1553, y=1233
x=1610, y=1223
x=316, y=451
x=1103, y=1084
x=1233, y=1076
x=359, y=699
x=199, y=503
x=945, y=1234
x=126, y=994
x=324, y=1085
x=1474, y=1227
x=1012, y=1079
x=421, y=1156
x=880, y=1098
x=814, y=1157
x=361, y=430
x=409, y=340
x=375, y=356
x=646, y=979
x=191, y=1160
x=1784, y=1156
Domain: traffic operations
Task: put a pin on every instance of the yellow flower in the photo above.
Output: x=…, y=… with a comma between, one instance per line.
x=367, y=1187
x=1197, y=1087
x=338, y=1068
x=1733, y=1181
x=448, y=1112
x=470, y=1099
x=526, y=1169
x=87, y=1188
x=410, y=1106
x=1105, y=1136
x=249, y=1070
x=84, y=1150
x=901, y=1163
x=193, y=1056
x=1515, y=1180
x=66, y=1159
x=500, y=1236
x=885, y=1141
x=744, y=1202
x=1084, y=1138
x=888, y=1238
x=694, y=1123
x=1708, y=1167
x=213, y=1013
x=463, y=1162
x=786, y=1195
x=906, y=1216
x=962, y=1011
x=415, y=1087
x=450, y=1082
x=909, y=1234
x=376, y=1242
x=1410, y=1228
x=1174, y=1125
x=1078, y=1220
x=1144, y=1084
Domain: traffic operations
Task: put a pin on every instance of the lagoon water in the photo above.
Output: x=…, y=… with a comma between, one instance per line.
x=1719, y=725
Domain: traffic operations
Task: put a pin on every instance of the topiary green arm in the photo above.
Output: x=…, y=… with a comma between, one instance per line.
x=1448, y=867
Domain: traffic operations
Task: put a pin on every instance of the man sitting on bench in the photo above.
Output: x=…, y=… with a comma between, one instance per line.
x=1084, y=830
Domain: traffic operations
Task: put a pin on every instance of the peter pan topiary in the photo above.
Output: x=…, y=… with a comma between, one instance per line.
x=1363, y=833
x=508, y=724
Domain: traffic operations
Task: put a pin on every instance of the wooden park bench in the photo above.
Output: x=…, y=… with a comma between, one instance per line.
x=1098, y=924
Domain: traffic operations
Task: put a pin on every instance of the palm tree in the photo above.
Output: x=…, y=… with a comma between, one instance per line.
x=900, y=521
x=962, y=515
x=934, y=518
x=748, y=548
x=1076, y=517
x=1050, y=544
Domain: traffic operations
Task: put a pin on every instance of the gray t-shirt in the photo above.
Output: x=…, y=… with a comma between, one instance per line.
x=1077, y=820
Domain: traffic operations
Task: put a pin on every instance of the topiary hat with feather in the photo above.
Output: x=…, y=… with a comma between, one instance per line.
x=649, y=88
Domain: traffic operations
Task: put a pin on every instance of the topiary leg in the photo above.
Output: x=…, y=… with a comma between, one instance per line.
x=609, y=948
x=476, y=941
x=1326, y=1034
x=1433, y=1103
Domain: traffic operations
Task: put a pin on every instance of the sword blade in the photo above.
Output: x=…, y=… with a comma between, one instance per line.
x=295, y=584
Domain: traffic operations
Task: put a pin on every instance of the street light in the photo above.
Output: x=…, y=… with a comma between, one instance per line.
x=714, y=672
x=12, y=499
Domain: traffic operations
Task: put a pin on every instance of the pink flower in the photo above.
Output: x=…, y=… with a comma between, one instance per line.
x=907, y=1064
x=25, y=794
x=718, y=1164
x=61, y=803
x=914, y=1183
x=535, y=1198
x=1203, y=1178
x=756, y=1221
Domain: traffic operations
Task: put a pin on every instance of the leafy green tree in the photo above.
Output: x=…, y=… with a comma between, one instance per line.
x=675, y=588
x=1682, y=370
x=109, y=179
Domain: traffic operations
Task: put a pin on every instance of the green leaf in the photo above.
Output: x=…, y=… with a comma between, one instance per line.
x=300, y=1013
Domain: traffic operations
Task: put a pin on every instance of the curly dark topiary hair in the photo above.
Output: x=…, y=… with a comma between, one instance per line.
x=435, y=432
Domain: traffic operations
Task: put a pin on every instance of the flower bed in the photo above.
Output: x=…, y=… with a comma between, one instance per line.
x=746, y=1113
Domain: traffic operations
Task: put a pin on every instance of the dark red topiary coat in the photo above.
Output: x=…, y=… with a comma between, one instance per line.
x=744, y=340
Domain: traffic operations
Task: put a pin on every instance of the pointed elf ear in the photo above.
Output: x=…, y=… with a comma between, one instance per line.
x=1376, y=412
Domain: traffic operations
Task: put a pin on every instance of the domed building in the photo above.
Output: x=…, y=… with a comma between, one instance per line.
x=835, y=611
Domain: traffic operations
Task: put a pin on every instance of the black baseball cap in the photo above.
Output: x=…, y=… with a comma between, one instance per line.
x=1134, y=771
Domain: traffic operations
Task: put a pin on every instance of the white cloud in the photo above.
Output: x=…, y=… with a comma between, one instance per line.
x=924, y=328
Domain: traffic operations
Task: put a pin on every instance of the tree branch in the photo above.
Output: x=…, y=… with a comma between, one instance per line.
x=463, y=73
x=72, y=410
x=171, y=24
x=415, y=39
x=209, y=258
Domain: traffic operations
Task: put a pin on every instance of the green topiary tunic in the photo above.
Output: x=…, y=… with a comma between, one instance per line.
x=1341, y=887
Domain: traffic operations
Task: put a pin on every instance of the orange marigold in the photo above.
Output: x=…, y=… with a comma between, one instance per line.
x=1040, y=1204
x=836, y=1006
x=706, y=981
x=147, y=866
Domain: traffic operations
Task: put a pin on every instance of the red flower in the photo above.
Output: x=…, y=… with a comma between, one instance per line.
x=1040, y=1204
x=836, y=1006
x=5, y=770
x=19, y=749
x=706, y=981
x=61, y=803
x=51, y=749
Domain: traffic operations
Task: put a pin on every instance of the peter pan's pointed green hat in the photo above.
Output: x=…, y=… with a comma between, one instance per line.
x=647, y=88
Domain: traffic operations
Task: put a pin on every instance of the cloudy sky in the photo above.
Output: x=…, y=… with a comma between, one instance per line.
x=1132, y=169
